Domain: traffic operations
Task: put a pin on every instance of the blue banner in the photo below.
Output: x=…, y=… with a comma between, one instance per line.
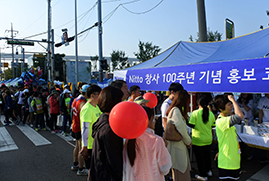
x=250, y=76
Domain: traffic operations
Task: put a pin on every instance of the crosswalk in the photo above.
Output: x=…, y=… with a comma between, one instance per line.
x=7, y=143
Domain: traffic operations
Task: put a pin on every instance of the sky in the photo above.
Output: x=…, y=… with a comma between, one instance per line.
x=126, y=22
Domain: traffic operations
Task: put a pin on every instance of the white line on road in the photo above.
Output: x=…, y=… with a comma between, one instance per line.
x=6, y=141
x=34, y=136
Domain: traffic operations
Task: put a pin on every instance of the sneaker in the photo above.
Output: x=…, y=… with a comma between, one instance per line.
x=74, y=167
x=44, y=129
x=31, y=125
x=198, y=177
x=53, y=132
x=64, y=134
x=83, y=172
x=6, y=124
x=209, y=173
x=37, y=129
x=5, y=121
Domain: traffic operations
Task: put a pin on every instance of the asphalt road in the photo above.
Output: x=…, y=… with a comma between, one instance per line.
x=41, y=162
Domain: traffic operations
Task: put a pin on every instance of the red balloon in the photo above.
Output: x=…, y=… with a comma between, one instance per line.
x=152, y=99
x=128, y=120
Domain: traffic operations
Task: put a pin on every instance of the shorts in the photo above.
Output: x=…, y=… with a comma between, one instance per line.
x=76, y=135
x=229, y=174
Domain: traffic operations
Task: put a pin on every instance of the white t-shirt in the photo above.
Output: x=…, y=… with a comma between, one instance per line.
x=248, y=114
x=20, y=99
x=165, y=105
x=264, y=105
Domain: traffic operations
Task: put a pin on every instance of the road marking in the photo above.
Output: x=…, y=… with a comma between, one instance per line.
x=6, y=141
x=34, y=136
x=66, y=138
x=3, y=122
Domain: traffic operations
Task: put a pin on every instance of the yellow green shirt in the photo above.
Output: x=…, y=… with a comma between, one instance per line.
x=201, y=133
x=89, y=114
x=229, y=154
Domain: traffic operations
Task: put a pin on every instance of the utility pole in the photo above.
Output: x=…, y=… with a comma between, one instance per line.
x=53, y=57
x=100, y=32
x=201, y=20
x=76, y=45
x=12, y=37
x=23, y=59
x=47, y=63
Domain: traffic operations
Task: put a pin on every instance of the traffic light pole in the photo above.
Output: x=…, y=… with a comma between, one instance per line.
x=100, y=32
x=76, y=45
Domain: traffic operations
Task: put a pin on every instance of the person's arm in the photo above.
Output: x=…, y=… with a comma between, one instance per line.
x=85, y=137
x=163, y=158
x=237, y=109
x=164, y=122
x=181, y=127
x=260, y=115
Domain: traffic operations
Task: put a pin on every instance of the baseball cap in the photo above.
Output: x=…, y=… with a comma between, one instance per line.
x=84, y=88
x=3, y=85
x=66, y=91
x=140, y=100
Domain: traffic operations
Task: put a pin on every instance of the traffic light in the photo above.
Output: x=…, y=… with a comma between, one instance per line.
x=104, y=65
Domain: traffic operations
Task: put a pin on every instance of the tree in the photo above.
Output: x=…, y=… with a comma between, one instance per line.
x=118, y=59
x=146, y=51
x=8, y=74
x=211, y=36
x=58, y=59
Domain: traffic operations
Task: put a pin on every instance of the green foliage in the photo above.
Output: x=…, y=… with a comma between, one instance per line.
x=118, y=59
x=146, y=51
x=211, y=36
x=40, y=61
x=8, y=74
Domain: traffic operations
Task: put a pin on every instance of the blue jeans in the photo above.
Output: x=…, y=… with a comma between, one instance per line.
x=66, y=118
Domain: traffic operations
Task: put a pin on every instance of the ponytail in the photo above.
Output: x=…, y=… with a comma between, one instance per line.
x=203, y=101
x=131, y=144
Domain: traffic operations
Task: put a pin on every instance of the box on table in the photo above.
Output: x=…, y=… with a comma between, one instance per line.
x=251, y=130
x=239, y=128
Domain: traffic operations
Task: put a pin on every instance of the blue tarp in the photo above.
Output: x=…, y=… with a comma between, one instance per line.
x=254, y=45
x=234, y=65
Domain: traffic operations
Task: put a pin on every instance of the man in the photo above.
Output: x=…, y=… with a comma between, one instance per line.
x=173, y=88
x=134, y=92
x=122, y=85
x=20, y=104
x=76, y=130
x=89, y=114
x=141, y=101
x=263, y=107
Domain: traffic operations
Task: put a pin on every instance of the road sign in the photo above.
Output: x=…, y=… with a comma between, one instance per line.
x=15, y=42
x=229, y=26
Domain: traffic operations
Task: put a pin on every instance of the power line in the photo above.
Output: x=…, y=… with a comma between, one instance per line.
x=144, y=11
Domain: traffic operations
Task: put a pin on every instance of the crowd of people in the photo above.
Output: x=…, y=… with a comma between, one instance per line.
x=103, y=155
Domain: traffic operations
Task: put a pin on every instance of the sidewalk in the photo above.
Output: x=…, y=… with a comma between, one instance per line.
x=261, y=175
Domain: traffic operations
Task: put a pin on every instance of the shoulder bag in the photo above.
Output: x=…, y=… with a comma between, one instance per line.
x=171, y=133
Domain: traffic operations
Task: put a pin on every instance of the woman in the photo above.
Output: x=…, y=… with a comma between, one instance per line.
x=66, y=112
x=202, y=121
x=177, y=112
x=54, y=110
x=229, y=151
x=106, y=160
x=146, y=157
x=245, y=102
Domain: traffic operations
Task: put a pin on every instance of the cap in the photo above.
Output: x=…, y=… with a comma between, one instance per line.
x=3, y=85
x=66, y=91
x=25, y=90
x=84, y=88
x=140, y=100
x=54, y=92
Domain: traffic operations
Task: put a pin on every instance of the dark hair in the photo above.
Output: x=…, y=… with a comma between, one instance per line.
x=92, y=89
x=249, y=97
x=134, y=88
x=8, y=92
x=181, y=101
x=203, y=101
x=175, y=87
x=131, y=144
x=220, y=101
x=118, y=83
x=108, y=98
x=36, y=94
